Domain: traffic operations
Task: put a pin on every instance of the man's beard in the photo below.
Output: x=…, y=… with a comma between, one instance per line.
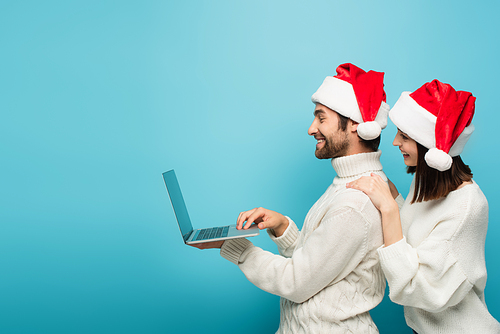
x=333, y=148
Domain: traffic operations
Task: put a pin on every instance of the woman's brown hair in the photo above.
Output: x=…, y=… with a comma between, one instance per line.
x=432, y=184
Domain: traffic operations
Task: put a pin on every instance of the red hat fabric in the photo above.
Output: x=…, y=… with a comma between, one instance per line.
x=358, y=95
x=437, y=117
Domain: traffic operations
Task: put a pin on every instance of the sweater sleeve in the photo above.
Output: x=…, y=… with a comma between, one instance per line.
x=400, y=201
x=429, y=276
x=288, y=241
x=331, y=252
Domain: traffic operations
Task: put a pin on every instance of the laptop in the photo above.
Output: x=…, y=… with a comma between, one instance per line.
x=191, y=236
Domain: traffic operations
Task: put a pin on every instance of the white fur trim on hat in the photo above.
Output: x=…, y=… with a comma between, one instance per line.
x=459, y=144
x=339, y=96
x=383, y=113
x=415, y=121
x=419, y=124
x=438, y=159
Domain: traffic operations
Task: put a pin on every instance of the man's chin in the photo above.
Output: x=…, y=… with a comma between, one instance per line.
x=320, y=154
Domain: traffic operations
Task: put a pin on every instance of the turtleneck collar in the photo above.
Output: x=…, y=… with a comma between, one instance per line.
x=351, y=167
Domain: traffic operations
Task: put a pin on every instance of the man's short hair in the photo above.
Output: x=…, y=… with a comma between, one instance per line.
x=369, y=144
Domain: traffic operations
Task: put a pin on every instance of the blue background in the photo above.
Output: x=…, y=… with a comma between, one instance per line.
x=98, y=98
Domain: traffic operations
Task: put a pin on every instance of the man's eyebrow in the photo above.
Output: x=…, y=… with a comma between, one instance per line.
x=319, y=111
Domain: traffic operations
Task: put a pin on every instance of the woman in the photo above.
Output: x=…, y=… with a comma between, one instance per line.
x=433, y=253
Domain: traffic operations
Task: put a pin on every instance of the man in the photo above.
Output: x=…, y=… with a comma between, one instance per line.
x=328, y=274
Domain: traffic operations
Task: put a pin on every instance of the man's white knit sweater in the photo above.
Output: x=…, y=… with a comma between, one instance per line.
x=328, y=274
x=437, y=271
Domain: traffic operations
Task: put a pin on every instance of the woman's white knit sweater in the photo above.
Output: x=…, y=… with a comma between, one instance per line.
x=328, y=274
x=437, y=271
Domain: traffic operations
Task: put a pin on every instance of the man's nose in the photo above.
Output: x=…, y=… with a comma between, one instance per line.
x=312, y=129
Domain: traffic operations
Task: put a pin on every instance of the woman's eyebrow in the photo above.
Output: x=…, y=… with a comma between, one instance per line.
x=403, y=133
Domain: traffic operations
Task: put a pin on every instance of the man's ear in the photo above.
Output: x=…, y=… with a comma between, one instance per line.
x=353, y=126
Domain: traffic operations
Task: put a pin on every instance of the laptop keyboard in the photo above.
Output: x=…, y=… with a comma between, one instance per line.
x=211, y=233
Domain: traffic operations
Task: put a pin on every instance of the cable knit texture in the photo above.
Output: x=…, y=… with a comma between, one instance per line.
x=328, y=274
x=438, y=269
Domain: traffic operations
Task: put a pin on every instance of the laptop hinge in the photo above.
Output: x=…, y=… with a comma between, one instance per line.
x=186, y=237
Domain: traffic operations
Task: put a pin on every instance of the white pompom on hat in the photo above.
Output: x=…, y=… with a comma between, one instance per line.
x=437, y=117
x=358, y=95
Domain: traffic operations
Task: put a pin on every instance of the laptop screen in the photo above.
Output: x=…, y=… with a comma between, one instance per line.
x=180, y=210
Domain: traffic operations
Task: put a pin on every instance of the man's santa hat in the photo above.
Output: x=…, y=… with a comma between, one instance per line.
x=437, y=117
x=358, y=95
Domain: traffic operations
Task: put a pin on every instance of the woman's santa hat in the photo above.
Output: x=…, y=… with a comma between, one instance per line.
x=358, y=95
x=437, y=117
